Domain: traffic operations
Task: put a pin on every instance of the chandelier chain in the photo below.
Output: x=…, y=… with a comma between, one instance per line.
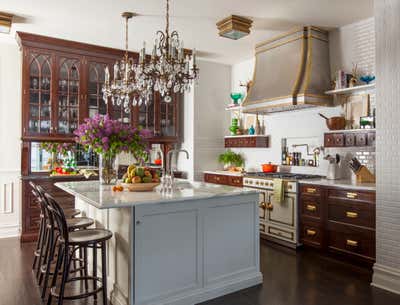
x=126, y=35
x=167, y=18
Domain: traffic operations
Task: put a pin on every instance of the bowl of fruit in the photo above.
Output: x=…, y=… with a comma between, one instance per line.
x=140, y=179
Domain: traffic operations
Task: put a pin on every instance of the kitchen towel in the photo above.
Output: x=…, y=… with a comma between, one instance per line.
x=279, y=191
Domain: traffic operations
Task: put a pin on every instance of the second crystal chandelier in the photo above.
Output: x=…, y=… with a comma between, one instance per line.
x=170, y=69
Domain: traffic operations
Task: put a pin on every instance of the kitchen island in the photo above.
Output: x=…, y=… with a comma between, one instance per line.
x=194, y=244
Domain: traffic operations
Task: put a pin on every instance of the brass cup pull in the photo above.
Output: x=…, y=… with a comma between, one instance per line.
x=263, y=205
x=311, y=190
x=270, y=207
x=351, y=195
x=311, y=232
x=351, y=243
x=311, y=207
x=351, y=214
x=217, y=178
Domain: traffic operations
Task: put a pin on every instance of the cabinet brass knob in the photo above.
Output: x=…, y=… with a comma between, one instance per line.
x=311, y=232
x=311, y=207
x=263, y=205
x=311, y=190
x=351, y=214
x=351, y=195
x=270, y=207
x=351, y=243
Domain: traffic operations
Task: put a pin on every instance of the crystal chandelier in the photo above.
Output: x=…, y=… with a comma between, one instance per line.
x=169, y=69
x=124, y=87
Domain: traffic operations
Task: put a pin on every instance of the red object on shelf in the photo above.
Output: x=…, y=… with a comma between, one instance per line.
x=269, y=168
x=158, y=162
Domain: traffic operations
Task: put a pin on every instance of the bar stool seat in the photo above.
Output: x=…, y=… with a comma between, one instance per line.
x=79, y=223
x=71, y=212
x=89, y=236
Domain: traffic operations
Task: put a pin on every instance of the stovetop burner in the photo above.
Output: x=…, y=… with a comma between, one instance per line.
x=290, y=176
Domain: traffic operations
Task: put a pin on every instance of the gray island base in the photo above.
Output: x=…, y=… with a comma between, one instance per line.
x=196, y=244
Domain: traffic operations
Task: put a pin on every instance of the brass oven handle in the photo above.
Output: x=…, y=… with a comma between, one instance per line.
x=351, y=243
x=351, y=195
x=351, y=214
x=311, y=207
x=270, y=207
x=311, y=232
x=263, y=205
x=311, y=190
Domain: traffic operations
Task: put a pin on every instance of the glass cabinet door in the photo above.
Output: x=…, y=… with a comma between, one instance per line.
x=96, y=104
x=168, y=118
x=68, y=95
x=39, y=117
x=146, y=115
x=117, y=112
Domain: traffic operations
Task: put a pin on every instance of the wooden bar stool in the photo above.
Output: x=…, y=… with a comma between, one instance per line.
x=70, y=242
x=51, y=237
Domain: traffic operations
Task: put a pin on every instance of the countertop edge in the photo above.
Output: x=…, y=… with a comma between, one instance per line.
x=340, y=184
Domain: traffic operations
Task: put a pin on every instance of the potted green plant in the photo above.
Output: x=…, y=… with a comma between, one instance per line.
x=230, y=160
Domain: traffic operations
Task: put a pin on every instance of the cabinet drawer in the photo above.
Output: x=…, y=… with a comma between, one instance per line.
x=334, y=140
x=359, y=214
x=361, y=139
x=371, y=139
x=235, y=181
x=349, y=140
x=351, y=195
x=310, y=190
x=217, y=179
x=311, y=233
x=310, y=207
x=280, y=233
x=351, y=240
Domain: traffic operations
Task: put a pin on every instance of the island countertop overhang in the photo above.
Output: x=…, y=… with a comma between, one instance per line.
x=102, y=196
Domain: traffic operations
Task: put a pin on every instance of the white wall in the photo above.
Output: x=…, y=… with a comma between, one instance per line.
x=10, y=134
x=205, y=119
x=387, y=267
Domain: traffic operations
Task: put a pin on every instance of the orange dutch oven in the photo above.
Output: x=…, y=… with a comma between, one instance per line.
x=269, y=168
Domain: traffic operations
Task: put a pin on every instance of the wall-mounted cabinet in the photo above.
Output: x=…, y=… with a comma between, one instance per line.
x=62, y=85
x=246, y=141
x=350, y=138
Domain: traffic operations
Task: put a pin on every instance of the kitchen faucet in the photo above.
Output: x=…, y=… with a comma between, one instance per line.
x=169, y=170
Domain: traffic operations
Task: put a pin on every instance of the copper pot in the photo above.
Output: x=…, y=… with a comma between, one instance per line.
x=335, y=123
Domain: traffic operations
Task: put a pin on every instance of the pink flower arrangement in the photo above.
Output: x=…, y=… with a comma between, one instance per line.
x=59, y=148
x=109, y=137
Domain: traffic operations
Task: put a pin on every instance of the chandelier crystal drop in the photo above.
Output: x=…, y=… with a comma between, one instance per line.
x=169, y=69
x=124, y=88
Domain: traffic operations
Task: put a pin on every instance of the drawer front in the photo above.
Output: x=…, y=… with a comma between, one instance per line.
x=351, y=195
x=359, y=214
x=351, y=240
x=280, y=233
x=361, y=139
x=221, y=179
x=371, y=139
x=349, y=140
x=235, y=181
x=310, y=190
x=311, y=233
x=209, y=178
x=310, y=207
x=329, y=140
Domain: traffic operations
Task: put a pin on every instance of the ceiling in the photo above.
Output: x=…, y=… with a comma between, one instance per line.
x=99, y=21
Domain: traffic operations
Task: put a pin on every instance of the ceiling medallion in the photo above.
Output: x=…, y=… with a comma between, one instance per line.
x=170, y=69
x=124, y=87
x=234, y=27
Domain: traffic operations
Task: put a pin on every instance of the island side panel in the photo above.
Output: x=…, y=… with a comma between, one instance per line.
x=119, y=222
x=192, y=251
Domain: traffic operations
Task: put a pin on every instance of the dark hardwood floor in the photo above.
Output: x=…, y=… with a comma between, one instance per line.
x=290, y=278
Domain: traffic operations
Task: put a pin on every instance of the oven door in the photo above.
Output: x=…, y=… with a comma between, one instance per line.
x=283, y=213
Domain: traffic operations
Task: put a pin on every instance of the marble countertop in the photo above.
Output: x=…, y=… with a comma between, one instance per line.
x=342, y=183
x=226, y=173
x=102, y=196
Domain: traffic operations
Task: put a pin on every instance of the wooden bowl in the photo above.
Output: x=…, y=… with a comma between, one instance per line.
x=140, y=187
x=336, y=123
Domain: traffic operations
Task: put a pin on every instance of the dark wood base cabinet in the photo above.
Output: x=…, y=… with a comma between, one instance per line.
x=30, y=208
x=338, y=221
x=223, y=179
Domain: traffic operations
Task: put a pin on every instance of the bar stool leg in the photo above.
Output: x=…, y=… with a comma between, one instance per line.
x=64, y=277
x=95, y=270
x=104, y=272
x=49, y=260
x=42, y=257
x=56, y=271
x=39, y=243
x=85, y=268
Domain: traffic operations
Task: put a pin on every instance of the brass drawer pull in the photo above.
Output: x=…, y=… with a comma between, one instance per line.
x=217, y=178
x=311, y=190
x=351, y=243
x=270, y=207
x=351, y=214
x=263, y=205
x=311, y=232
x=351, y=195
x=311, y=207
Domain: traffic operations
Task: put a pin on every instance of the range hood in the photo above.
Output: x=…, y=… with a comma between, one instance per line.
x=291, y=72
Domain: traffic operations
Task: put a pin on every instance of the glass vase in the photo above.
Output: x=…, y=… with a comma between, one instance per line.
x=108, y=172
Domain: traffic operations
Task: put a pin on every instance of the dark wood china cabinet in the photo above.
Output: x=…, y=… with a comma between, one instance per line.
x=61, y=86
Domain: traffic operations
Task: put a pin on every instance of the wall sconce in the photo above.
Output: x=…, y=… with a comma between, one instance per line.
x=234, y=27
x=5, y=23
